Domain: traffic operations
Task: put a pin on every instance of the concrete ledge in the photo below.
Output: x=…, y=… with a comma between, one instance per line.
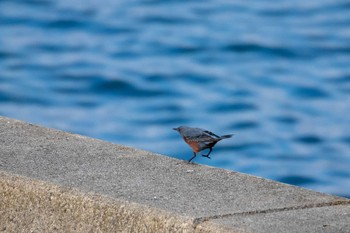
x=29, y=205
x=56, y=181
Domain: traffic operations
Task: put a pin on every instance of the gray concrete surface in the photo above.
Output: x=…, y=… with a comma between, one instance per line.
x=143, y=191
x=316, y=220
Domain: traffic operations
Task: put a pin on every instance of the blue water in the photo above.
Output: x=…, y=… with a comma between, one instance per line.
x=275, y=73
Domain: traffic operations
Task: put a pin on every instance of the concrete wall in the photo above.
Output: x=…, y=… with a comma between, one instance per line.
x=53, y=181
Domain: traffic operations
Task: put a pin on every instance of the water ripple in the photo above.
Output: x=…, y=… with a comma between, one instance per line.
x=309, y=139
x=274, y=73
x=288, y=120
x=306, y=93
x=233, y=107
x=298, y=180
x=259, y=48
x=240, y=125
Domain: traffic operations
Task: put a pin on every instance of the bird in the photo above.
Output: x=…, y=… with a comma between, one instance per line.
x=200, y=139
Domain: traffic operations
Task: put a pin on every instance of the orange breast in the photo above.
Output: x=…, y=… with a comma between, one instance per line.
x=194, y=145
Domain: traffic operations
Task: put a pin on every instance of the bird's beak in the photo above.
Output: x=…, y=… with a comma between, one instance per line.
x=175, y=129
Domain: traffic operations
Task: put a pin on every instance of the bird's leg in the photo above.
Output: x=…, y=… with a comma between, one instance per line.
x=207, y=155
x=194, y=156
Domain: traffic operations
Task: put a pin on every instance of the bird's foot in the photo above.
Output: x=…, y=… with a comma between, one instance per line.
x=207, y=156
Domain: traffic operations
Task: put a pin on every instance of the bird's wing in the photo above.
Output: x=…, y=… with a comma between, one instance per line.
x=200, y=135
x=211, y=134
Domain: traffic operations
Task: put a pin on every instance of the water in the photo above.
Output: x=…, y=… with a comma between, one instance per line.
x=276, y=74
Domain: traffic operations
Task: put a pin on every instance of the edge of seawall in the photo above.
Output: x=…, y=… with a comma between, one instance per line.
x=52, y=180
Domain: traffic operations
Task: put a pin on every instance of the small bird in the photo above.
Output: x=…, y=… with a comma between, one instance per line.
x=200, y=139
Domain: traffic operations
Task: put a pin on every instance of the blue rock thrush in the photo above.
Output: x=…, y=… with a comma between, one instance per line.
x=200, y=139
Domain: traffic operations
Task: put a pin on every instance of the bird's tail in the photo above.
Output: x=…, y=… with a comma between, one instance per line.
x=226, y=136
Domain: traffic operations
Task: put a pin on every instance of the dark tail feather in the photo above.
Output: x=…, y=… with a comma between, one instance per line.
x=226, y=136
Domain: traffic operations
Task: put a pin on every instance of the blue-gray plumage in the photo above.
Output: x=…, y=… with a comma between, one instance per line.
x=200, y=139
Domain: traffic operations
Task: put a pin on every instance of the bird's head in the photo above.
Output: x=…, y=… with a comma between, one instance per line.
x=178, y=129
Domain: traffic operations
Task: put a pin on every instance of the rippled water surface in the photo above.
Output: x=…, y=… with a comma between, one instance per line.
x=275, y=73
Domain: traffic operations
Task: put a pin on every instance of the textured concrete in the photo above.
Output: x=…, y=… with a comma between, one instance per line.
x=100, y=186
x=34, y=206
x=320, y=219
